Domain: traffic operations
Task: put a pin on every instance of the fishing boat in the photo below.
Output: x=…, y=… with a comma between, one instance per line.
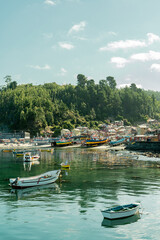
x=18, y=153
x=63, y=143
x=7, y=150
x=118, y=142
x=122, y=211
x=28, y=157
x=43, y=179
x=93, y=142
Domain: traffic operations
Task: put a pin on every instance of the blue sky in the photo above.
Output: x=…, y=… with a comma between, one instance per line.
x=44, y=41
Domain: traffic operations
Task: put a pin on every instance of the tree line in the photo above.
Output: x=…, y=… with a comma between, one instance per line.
x=32, y=108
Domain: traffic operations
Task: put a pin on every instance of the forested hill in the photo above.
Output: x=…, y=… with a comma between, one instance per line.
x=32, y=108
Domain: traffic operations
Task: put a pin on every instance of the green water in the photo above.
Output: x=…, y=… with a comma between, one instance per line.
x=71, y=209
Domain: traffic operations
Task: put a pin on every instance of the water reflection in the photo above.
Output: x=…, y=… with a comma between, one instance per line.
x=116, y=222
x=28, y=192
x=27, y=165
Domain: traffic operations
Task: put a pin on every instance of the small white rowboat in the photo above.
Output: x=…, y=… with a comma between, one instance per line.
x=121, y=211
x=43, y=179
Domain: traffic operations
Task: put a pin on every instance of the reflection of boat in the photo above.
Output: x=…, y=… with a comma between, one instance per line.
x=27, y=165
x=32, y=190
x=121, y=211
x=121, y=221
x=94, y=142
x=28, y=157
x=47, y=150
x=43, y=179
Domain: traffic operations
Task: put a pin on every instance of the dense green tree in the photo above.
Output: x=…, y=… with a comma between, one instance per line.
x=33, y=108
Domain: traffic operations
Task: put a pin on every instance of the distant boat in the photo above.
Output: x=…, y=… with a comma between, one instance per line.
x=94, y=142
x=28, y=157
x=42, y=179
x=121, y=211
x=118, y=142
x=7, y=150
x=65, y=165
x=63, y=143
x=19, y=153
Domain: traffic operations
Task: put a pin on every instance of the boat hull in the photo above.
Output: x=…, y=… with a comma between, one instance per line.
x=144, y=146
x=94, y=143
x=44, y=179
x=111, y=214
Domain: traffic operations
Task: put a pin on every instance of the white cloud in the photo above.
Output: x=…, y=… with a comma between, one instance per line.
x=112, y=33
x=128, y=85
x=46, y=67
x=48, y=35
x=123, y=45
x=119, y=61
x=49, y=2
x=155, y=67
x=126, y=44
x=67, y=46
x=152, y=38
x=77, y=27
x=63, y=71
x=151, y=55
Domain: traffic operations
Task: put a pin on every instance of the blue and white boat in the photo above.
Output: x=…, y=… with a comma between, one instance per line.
x=122, y=211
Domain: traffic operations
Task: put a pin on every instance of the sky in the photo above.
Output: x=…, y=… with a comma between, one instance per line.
x=44, y=41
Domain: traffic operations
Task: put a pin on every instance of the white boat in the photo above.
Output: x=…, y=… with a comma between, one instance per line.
x=43, y=179
x=121, y=211
x=27, y=157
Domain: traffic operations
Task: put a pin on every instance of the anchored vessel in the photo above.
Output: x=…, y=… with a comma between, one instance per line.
x=121, y=211
x=43, y=179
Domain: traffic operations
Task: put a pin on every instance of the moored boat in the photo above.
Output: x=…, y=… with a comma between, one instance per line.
x=28, y=157
x=122, y=211
x=117, y=142
x=93, y=142
x=63, y=143
x=65, y=165
x=42, y=179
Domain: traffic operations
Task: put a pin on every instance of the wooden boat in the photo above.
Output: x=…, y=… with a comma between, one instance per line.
x=18, y=153
x=118, y=142
x=28, y=157
x=121, y=211
x=63, y=143
x=94, y=142
x=65, y=165
x=43, y=179
x=7, y=150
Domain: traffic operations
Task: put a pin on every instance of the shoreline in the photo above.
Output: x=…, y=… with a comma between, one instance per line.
x=12, y=146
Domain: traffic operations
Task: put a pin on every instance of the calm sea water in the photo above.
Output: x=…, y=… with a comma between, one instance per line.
x=71, y=209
